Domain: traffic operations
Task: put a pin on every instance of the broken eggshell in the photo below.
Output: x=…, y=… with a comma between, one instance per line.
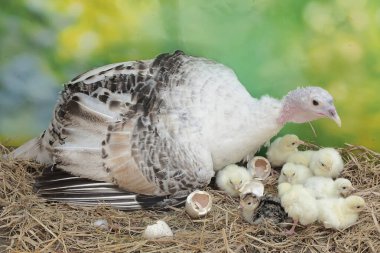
x=198, y=204
x=158, y=230
x=254, y=187
x=259, y=167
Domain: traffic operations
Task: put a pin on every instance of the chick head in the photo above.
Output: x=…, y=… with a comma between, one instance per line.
x=355, y=204
x=289, y=172
x=238, y=179
x=324, y=162
x=344, y=186
x=290, y=142
x=249, y=202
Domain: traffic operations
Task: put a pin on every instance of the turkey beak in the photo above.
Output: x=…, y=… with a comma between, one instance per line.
x=332, y=114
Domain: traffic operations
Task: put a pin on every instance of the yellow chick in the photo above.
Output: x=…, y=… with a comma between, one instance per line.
x=231, y=178
x=299, y=203
x=281, y=148
x=324, y=187
x=294, y=173
x=340, y=213
x=326, y=162
x=301, y=157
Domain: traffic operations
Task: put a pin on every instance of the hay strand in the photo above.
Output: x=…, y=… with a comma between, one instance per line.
x=30, y=224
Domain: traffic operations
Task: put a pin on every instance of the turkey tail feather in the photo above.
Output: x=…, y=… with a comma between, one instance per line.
x=57, y=185
x=31, y=150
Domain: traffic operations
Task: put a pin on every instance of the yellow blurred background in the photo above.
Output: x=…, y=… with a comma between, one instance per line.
x=273, y=46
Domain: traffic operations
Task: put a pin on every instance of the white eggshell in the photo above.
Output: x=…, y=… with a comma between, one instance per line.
x=158, y=230
x=198, y=204
x=259, y=167
x=254, y=186
x=103, y=224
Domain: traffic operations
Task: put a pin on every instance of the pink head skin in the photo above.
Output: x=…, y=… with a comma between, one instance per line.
x=308, y=104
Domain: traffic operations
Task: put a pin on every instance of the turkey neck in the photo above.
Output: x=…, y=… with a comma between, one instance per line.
x=242, y=124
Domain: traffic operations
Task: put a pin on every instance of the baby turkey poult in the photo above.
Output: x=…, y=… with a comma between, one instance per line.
x=325, y=187
x=281, y=148
x=299, y=203
x=232, y=178
x=326, y=162
x=255, y=210
x=340, y=213
x=294, y=173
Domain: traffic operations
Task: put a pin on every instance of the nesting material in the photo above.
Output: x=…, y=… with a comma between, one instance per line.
x=30, y=224
x=259, y=167
x=198, y=204
x=158, y=230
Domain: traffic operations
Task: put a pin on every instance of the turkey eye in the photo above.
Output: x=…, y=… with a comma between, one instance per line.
x=315, y=102
x=293, y=143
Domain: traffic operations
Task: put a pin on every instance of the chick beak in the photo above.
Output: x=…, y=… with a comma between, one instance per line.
x=300, y=142
x=332, y=114
x=237, y=187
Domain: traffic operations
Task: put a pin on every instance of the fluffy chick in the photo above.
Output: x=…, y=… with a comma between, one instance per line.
x=326, y=162
x=294, y=173
x=324, y=187
x=299, y=203
x=301, y=157
x=340, y=213
x=254, y=210
x=281, y=148
x=231, y=178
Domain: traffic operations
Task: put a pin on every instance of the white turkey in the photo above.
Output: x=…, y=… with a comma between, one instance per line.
x=152, y=131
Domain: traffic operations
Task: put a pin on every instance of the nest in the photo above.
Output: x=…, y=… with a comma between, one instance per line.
x=28, y=223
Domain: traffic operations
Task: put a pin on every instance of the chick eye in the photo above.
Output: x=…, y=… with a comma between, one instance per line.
x=249, y=203
x=241, y=181
x=323, y=164
x=231, y=182
x=344, y=187
x=315, y=102
x=357, y=207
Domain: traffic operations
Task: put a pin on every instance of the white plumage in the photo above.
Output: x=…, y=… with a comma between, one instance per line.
x=162, y=127
x=281, y=148
x=324, y=187
x=232, y=178
x=340, y=213
x=294, y=173
x=326, y=162
x=299, y=203
x=301, y=157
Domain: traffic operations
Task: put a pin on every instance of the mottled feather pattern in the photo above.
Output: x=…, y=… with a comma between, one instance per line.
x=269, y=208
x=124, y=120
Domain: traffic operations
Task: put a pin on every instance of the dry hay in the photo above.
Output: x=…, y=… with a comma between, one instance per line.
x=29, y=224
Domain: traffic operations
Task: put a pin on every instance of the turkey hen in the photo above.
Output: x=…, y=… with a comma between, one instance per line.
x=159, y=127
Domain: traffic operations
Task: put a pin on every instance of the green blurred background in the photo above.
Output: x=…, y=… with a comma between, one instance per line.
x=272, y=45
